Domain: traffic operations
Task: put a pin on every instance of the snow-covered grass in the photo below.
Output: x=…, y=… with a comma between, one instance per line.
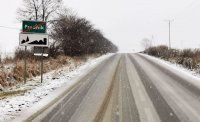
x=33, y=91
x=12, y=70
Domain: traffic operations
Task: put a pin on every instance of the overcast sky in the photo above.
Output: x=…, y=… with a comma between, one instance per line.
x=124, y=22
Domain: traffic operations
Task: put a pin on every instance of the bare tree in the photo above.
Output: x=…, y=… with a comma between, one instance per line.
x=146, y=43
x=42, y=10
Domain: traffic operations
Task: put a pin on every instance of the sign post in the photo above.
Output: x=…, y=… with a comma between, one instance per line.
x=34, y=34
x=25, y=65
x=42, y=64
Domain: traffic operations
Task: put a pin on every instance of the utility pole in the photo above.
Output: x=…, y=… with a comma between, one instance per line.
x=169, y=22
x=152, y=40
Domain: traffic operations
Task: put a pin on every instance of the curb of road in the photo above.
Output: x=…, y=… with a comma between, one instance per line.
x=51, y=100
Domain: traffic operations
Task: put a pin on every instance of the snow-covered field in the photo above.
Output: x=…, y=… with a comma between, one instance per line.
x=33, y=91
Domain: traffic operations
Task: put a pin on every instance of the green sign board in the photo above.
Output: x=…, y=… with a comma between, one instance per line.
x=33, y=27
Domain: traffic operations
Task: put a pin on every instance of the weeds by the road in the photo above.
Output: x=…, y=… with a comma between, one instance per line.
x=12, y=71
x=189, y=58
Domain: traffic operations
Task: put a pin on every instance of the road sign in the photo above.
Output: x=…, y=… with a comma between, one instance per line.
x=41, y=51
x=40, y=54
x=40, y=40
x=33, y=27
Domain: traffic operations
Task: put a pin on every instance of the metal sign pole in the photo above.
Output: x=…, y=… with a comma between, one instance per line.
x=25, y=64
x=42, y=64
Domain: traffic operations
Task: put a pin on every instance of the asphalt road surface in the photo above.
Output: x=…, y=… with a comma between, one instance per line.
x=129, y=88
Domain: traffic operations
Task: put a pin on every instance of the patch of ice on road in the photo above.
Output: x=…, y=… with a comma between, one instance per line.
x=13, y=106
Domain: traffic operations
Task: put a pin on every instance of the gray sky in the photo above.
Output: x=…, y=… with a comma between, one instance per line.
x=124, y=22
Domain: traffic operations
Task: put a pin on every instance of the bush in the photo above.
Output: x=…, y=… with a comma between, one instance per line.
x=187, y=57
x=20, y=54
x=8, y=59
x=159, y=51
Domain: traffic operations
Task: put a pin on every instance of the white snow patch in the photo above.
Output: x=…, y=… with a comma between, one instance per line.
x=13, y=106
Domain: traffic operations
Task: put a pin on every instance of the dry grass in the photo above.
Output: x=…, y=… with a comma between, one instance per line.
x=33, y=68
x=3, y=77
x=7, y=60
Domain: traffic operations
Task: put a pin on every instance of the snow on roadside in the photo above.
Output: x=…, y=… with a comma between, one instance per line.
x=34, y=91
x=176, y=67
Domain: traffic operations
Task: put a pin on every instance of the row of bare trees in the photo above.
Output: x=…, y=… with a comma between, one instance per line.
x=71, y=35
x=77, y=36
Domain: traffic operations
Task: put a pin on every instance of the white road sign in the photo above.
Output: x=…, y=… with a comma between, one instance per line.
x=41, y=40
x=40, y=54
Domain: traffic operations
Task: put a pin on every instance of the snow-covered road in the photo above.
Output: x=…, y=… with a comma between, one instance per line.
x=175, y=94
x=35, y=95
x=127, y=88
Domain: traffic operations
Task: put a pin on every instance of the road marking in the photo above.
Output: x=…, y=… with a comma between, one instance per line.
x=160, y=104
x=142, y=99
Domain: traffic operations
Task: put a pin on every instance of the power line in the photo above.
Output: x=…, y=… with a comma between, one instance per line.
x=9, y=27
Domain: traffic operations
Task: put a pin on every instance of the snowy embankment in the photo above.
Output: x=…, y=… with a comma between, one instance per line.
x=177, y=69
x=35, y=92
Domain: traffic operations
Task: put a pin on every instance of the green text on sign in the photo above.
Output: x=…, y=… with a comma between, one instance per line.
x=34, y=27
